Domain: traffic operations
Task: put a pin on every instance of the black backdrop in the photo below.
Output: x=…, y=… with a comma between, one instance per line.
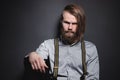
x=25, y=24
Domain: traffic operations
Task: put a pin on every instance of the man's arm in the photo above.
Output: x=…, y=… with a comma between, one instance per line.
x=93, y=65
x=36, y=58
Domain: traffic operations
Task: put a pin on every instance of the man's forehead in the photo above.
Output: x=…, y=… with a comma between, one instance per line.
x=69, y=17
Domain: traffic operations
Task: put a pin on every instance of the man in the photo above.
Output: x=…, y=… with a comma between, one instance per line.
x=72, y=28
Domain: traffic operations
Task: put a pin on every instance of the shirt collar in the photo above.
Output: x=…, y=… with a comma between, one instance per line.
x=61, y=43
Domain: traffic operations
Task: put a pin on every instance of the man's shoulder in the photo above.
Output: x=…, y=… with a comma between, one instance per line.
x=48, y=41
x=89, y=44
x=91, y=48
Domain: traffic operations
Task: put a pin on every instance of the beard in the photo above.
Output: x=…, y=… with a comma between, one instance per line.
x=69, y=37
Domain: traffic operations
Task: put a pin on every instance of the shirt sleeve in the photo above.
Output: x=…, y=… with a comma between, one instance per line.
x=93, y=65
x=42, y=50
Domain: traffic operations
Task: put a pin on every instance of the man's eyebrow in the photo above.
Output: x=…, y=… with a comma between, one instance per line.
x=70, y=22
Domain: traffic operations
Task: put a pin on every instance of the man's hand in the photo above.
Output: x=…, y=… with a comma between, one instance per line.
x=37, y=62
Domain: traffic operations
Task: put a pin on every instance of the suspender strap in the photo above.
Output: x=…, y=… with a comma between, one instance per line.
x=83, y=59
x=56, y=58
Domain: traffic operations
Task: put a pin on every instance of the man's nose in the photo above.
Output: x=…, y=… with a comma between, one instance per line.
x=70, y=26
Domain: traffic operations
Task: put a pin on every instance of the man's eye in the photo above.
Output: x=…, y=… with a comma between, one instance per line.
x=66, y=22
x=73, y=23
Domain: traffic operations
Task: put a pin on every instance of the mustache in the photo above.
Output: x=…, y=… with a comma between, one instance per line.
x=69, y=31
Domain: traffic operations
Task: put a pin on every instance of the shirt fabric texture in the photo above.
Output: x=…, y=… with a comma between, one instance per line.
x=70, y=59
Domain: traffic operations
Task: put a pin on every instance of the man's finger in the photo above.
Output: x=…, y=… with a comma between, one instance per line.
x=35, y=65
x=38, y=63
x=32, y=66
x=45, y=65
x=43, y=68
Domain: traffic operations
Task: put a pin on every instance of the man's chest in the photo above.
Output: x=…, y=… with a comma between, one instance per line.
x=70, y=56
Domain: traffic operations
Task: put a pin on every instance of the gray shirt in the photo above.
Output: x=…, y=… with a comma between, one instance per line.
x=70, y=59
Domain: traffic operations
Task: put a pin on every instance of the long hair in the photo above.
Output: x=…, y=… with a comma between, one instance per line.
x=79, y=14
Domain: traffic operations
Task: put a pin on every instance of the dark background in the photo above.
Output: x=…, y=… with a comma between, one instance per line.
x=25, y=24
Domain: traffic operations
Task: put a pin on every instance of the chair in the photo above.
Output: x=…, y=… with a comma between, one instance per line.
x=30, y=74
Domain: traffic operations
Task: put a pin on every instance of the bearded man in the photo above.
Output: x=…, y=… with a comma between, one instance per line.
x=70, y=65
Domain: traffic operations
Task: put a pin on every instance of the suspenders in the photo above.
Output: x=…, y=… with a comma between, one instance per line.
x=83, y=60
x=56, y=59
